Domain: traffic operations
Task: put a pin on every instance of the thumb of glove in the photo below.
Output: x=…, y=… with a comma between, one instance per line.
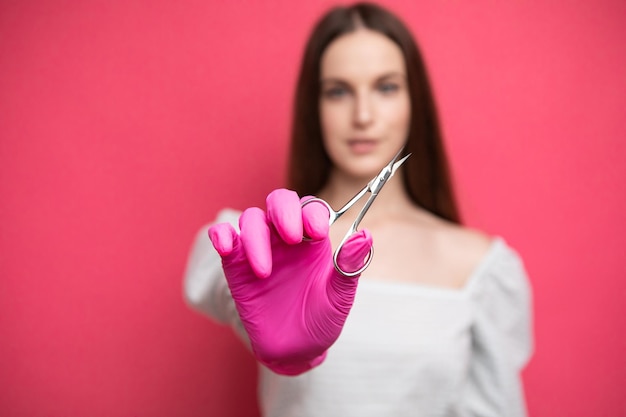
x=352, y=257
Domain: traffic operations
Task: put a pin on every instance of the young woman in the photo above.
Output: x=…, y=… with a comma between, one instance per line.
x=439, y=323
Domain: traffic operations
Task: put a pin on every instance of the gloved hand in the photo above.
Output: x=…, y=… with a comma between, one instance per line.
x=291, y=300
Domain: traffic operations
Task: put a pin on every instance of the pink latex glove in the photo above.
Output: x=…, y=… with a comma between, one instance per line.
x=291, y=300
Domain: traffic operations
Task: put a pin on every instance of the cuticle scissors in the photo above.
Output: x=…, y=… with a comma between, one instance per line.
x=374, y=187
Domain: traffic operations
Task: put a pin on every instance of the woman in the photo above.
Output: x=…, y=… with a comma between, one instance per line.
x=440, y=324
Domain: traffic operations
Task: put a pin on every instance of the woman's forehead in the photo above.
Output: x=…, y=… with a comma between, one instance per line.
x=363, y=53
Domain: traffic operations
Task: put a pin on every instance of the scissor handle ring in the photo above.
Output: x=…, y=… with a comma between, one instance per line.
x=332, y=213
x=348, y=274
x=333, y=216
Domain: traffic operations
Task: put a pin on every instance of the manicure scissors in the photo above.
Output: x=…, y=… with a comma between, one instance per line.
x=373, y=187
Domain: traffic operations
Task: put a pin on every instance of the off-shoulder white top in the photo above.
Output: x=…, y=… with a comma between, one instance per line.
x=406, y=349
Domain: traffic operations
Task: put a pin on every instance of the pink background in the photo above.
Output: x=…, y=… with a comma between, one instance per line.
x=125, y=126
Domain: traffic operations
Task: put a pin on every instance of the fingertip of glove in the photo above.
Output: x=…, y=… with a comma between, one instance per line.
x=355, y=251
x=256, y=242
x=222, y=236
x=284, y=212
x=263, y=273
x=315, y=220
x=360, y=241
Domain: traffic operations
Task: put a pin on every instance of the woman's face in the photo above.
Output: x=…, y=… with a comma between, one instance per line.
x=364, y=104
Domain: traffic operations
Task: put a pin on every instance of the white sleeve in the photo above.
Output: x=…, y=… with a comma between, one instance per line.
x=204, y=286
x=501, y=338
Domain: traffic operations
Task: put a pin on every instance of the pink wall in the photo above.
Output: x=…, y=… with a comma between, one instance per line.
x=124, y=126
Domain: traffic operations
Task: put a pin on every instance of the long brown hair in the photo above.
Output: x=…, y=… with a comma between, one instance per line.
x=426, y=173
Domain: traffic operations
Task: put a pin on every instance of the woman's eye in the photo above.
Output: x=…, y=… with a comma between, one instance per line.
x=335, y=92
x=388, y=88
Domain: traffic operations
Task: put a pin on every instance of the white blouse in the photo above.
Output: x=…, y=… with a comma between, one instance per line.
x=406, y=349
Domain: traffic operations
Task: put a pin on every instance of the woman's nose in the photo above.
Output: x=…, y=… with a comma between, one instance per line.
x=363, y=112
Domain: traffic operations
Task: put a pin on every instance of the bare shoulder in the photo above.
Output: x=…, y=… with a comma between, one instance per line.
x=416, y=246
x=457, y=250
x=463, y=249
x=465, y=242
x=452, y=235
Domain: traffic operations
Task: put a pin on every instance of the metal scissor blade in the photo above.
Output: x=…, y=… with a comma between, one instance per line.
x=397, y=164
x=387, y=172
x=374, y=186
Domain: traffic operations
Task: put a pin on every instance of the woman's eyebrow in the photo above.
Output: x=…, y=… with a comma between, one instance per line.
x=393, y=74
x=336, y=80
x=333, y=80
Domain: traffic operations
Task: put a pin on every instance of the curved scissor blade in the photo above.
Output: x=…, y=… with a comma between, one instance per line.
x=387, y=172
x=396, y=165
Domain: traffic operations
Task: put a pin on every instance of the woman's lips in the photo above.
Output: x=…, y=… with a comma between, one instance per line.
x=362, y=146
